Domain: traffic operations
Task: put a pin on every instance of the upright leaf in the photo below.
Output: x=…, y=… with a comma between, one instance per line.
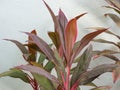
x=57, y=26
x=82, y=64
x=71, y=35
x=62, y=20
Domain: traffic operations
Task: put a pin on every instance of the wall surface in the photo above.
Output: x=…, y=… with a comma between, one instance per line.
x=26, y=15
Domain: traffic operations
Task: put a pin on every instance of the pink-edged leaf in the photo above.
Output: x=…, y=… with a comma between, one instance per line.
x=62, y=20
x=102, y=88
x=71, y=35
x=85, y=41
x=44, y=47
x=57, y=26
x=38, y=70
x=91, y=75
x=116, y=74
x=19, y=45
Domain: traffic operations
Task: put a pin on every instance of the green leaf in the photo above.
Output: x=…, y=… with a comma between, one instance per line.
x=114, y=17
x=55, y=39
x=82, y=65
x=40, y=71
x=41, y=59
x=44, y=82
x=60, y=69
x=49, y=66
x=16, y=73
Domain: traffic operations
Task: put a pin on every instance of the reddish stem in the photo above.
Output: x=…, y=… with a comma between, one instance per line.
x=67, y=85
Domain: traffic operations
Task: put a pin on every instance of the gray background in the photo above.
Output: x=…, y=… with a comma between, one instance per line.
x=26, y=15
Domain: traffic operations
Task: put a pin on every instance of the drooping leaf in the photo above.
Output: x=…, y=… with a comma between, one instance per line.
x=114, y=17
x=19, y=45
x=102, y=88
x=108, y=32
x=109, y=55
x=40, y=71
x=115, y=9
x=89, y=76
x=116, y=74
x=115, y=3
x=15, y=73
x=44, y=47
x=105, y=41
x=44, y=82
x=85, y=40
x=22, y=48
x=82, y=64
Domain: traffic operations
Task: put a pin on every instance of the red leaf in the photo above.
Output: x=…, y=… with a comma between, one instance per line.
x=70, y=36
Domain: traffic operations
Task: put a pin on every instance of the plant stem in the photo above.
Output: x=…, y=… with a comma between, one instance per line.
x=67, y=86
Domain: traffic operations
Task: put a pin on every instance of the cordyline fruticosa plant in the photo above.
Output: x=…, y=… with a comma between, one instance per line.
x=65, y=56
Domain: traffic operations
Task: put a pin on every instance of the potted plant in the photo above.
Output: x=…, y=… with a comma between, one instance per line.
x=68, y=58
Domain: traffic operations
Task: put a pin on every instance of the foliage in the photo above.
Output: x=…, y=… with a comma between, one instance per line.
x=69, y=58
